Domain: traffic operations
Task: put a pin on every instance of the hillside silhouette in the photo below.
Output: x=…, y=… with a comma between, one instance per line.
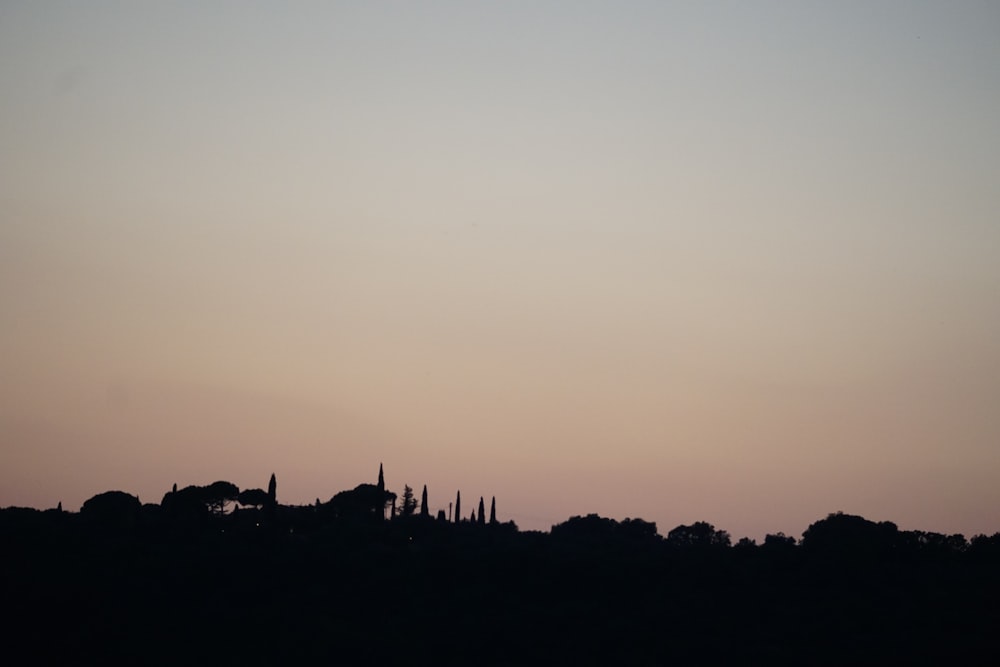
x=216, y=575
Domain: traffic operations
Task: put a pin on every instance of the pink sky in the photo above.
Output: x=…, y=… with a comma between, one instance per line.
x=663, y=261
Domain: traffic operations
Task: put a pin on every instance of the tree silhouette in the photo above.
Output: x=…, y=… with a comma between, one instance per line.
x=850, y=535
x=218, y=495
x=424, y=510
x=778, y=541
x=272, y=490
x=458, y=507
x=362, y=503
x=186, y=506
x=493, y=511
x=590, y=528
x=698, y=534
x=983, y=545
x=482, y=512
x=638, y=530
x=115, y=509
x=409, y=502
x=254, y=498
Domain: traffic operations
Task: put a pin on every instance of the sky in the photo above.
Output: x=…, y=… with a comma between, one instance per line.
x=719, y=261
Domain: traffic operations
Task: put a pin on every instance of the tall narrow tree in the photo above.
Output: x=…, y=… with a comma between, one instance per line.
x=424, y=510
x=482, y=512
x=272, y=490
x=409, y=502
x=381, y=478
x=458, y=507
x=493, y=511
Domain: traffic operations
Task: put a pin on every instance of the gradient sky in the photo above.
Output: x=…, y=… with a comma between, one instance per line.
x=734, y=262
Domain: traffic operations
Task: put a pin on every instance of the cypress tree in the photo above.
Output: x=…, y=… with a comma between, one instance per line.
x=409, y=505
x=424, y=510
x=472, y=517
x=272, y=490
x=458, y=507
x=381, y=478
x=493, y=511
x=482, y=512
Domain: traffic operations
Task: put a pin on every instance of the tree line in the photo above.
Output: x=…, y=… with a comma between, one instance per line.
x=215, y=574
x=224, y=503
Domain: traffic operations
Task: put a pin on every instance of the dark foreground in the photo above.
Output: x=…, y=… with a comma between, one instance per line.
x=252, y=590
